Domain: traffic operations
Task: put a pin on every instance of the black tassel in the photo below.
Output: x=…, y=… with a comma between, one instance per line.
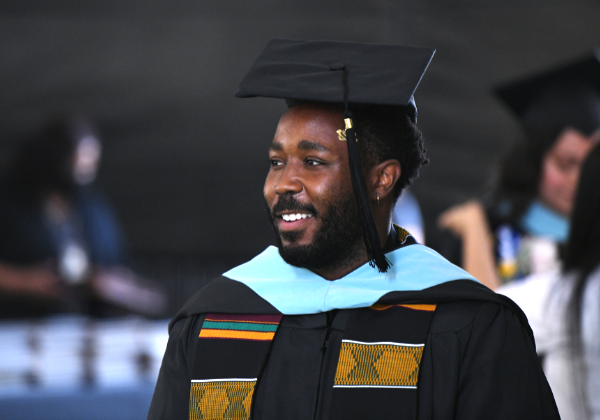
x=370, y=235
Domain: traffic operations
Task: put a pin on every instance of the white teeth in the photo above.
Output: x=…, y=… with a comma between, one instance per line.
x=294, y=217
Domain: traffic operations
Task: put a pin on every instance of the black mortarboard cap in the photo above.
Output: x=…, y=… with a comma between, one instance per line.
x=564, y=96
x=310, y=71
x=349, y=74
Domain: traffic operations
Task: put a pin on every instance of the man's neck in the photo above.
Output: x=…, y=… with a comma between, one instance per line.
x=340, y=270
x=343, y=268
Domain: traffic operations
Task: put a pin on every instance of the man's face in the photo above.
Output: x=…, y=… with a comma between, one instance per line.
x=308, y=190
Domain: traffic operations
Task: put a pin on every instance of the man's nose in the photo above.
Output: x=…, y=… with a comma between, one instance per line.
x=290, y=181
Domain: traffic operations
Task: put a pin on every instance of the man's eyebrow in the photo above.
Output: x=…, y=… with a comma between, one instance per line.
x=276, y=147
x=311, y=145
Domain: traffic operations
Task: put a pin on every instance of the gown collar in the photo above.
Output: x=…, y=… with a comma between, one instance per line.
x=293, y=291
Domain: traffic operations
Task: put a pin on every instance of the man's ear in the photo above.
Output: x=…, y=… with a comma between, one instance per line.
x=382, y=179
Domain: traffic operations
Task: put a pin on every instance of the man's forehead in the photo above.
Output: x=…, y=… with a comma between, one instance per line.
x=306, y=145
x=309, y=127
x=310, y=119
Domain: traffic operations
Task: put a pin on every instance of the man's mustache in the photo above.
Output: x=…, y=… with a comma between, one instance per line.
x=289, y=203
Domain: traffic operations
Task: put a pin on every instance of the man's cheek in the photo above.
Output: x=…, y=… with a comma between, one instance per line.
x=269, y=193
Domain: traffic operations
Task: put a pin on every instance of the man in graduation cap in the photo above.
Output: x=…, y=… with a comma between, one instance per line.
x=348, y=318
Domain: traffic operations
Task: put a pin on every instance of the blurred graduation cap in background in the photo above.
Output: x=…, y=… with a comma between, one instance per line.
x=349, y=75
x=564, y=96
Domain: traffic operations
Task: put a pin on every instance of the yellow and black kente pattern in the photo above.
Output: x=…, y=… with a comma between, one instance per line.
x=402, y=233
x=227, y=399
x=378, y=365
x=415, y=306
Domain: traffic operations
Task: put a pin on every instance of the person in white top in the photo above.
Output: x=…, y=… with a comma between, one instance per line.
x=563, y=307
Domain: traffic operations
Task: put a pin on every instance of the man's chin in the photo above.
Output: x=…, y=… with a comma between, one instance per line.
x=299, y=244
x=293, y=238
x=297, y=255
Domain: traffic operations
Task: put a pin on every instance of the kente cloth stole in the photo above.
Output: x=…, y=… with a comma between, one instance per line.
x=377, y=374
x=233, y=352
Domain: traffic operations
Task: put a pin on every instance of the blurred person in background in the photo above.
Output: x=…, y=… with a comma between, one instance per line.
x=563, y=306
x=61, y=248
x=519, y=229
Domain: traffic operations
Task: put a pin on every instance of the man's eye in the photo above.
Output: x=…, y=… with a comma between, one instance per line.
x=312, y=162
x=275, y=162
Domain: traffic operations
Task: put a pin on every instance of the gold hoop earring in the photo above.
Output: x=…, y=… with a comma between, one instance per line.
x=377, y=198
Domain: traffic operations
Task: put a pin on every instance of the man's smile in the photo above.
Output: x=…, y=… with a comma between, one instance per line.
x=292, y=220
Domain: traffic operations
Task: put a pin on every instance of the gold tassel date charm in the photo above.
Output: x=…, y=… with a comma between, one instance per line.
x=342, y=133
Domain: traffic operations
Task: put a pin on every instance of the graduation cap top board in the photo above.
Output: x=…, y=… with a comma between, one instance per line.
x=565, y=96
x=312, y=71
x=348, y=74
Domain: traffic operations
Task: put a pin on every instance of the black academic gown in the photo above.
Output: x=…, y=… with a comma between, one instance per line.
x=479, y=359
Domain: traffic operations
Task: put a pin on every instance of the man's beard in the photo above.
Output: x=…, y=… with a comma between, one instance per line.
x=338, y=241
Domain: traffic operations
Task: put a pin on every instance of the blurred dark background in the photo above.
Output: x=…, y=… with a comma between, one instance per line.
x=184, y=161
